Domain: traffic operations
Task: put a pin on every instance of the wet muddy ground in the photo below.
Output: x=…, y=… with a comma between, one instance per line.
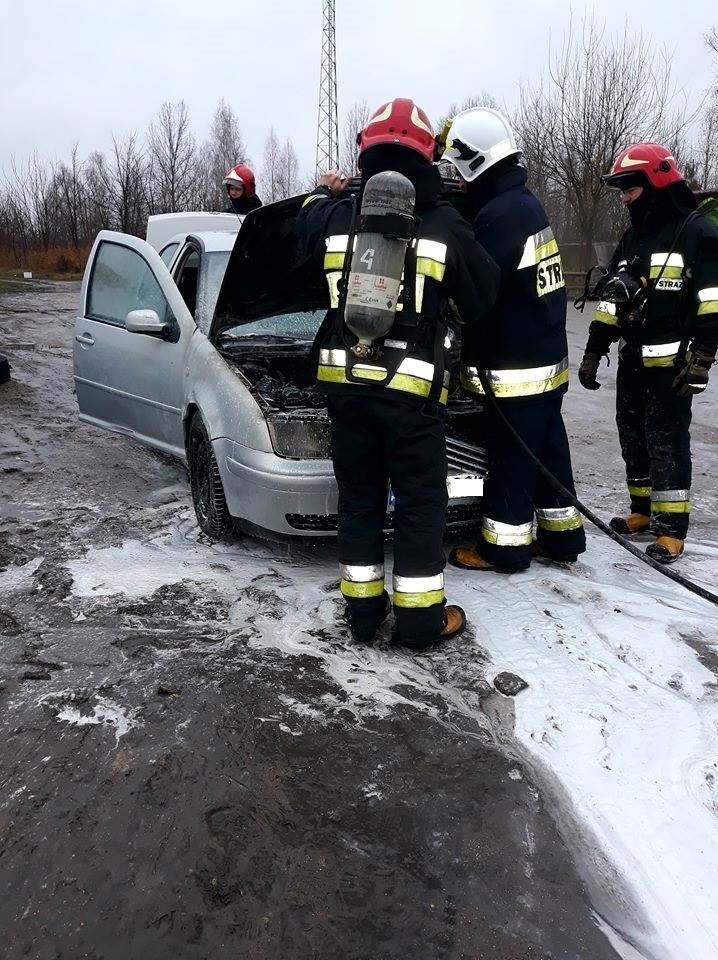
x=194, y=760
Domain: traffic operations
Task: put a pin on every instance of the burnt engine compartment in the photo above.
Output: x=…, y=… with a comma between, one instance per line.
x=282, y=381
x=280, y=378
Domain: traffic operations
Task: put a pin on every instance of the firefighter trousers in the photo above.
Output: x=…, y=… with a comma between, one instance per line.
x=515, y=491
x=378, y=441
x=654, y=433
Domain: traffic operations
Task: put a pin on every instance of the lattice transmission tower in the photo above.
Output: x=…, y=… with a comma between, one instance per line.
x=328, y=126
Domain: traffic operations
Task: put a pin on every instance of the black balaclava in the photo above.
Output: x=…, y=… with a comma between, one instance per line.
x=389, y=156
x=656, y=208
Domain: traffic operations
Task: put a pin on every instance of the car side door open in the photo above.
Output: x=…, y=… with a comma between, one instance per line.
x=131, y=337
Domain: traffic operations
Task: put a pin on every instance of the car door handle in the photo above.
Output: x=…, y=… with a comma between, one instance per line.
x=85, y=338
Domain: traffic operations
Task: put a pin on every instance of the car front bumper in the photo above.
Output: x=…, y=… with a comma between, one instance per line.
x=300, y=497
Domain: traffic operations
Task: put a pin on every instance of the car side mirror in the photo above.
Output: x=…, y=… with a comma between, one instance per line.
x=145, y=321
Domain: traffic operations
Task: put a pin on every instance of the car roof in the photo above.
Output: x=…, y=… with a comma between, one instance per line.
x=211, y=241
x=164, y=227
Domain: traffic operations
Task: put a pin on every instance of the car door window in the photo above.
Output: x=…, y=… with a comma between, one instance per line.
x=187, y=277
x=168, y=252
x=122, y=281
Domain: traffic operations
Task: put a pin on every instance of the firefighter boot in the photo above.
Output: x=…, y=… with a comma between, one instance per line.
x=665, y=549
x=454, y=623
x=633, y=523
x=363, y=622
x=466, y=558
x=537, y=550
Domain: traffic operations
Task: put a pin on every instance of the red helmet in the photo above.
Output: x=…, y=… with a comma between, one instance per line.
x=400, y=122
x=241, y=176
x=644, y=162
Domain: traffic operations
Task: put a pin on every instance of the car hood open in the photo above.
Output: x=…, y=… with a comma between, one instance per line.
x=266, y=275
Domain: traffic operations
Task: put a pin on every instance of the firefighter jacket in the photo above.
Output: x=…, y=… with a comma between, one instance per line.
x=243, y=204
x=521, y=343
x=449, y=264
x=681, y=277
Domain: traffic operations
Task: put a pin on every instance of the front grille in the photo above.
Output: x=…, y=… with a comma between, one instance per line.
x=465, y=458
x=457, y=515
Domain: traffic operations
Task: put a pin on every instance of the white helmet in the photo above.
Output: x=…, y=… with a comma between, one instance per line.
x=477, y=139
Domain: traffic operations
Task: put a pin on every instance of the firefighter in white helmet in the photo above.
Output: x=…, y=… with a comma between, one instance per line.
x=520, y=348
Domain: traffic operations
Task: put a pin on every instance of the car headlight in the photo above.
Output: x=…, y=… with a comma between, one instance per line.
x=304, y=437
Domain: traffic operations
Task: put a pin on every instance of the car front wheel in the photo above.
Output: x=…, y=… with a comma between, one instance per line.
x=208, y=498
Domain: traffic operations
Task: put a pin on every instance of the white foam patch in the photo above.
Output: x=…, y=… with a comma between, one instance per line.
x=622, y=711
x=18, y=576
x=618, y=707
x=103, y=712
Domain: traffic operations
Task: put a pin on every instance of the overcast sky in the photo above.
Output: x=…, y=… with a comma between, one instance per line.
x=75, y=70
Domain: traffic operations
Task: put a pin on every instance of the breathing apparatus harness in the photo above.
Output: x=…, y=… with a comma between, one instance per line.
x=378, y=273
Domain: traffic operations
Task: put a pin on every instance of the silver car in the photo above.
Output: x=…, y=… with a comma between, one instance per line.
x=197, y=343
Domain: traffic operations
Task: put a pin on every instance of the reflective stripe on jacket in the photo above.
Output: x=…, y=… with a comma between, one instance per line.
x=449, y=264
x=518, y=383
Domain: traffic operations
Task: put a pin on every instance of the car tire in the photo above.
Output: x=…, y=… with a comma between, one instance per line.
x=210, y=504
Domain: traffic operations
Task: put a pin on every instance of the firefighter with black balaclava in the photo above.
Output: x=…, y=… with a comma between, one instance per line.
x=386, y=381
x=241, y=190
x=660, y=299
x=520, y=349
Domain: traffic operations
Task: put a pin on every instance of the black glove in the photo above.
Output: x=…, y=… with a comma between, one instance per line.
x=693, y=377
x=588, y=370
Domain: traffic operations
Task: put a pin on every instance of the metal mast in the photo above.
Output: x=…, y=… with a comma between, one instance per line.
x=328, y=126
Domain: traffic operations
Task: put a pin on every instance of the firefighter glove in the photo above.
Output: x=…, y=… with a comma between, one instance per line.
x=588, y=370
x=693, y=377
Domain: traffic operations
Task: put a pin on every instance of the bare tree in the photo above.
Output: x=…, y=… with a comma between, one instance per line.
x=712, y=40
x=271, y=168
x=224, y=149
x=124, y=182
x=69, y=188
x=99, y=192
x=171, y=152
x=600, y=96
x=33, y=201
x=483, y=99
x=288, y=179
x=706, y=155
x=355, y=121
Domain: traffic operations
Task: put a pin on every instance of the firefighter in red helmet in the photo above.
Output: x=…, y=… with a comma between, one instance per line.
x=387, y=411
x=659, y=299
x=241, y=190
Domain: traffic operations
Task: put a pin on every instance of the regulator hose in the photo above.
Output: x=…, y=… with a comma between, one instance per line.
x=586, y=511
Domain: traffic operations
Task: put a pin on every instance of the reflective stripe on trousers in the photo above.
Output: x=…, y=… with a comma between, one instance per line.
x=639, y=486
x=359, y=582
x=412, y=376
x=506, y=534
x=659, y=354
x=558, y=519
x=418, y=591
x=518, y=383
x=670, y=501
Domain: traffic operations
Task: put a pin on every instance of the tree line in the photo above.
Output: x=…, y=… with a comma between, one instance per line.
x=57, y=207
x=599, y=94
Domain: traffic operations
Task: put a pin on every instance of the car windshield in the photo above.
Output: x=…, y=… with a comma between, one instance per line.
x=286, y=326
x=215, y=267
